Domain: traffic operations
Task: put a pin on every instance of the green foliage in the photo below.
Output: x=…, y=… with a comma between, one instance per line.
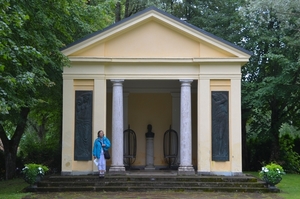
x=272, y=173
x=269, y=87
x=43, y=151
x=259, y=147
x=259, y=150
x=290, y=156
x=32, y=171
x=31, y=35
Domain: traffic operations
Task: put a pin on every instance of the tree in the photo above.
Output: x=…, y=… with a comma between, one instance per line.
x=31, y=34
x=271, y=79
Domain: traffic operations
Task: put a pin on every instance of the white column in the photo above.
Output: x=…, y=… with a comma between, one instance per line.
x=117, y=166
x=186, y=167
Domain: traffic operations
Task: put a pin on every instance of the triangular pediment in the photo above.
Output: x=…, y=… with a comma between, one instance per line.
x=153, y=34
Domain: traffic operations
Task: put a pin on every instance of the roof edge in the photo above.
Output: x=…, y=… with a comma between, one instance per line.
x=165, y=14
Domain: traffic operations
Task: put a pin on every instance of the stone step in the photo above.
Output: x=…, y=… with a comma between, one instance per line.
x=151, y=183
x=157, y=178
x=145, y=189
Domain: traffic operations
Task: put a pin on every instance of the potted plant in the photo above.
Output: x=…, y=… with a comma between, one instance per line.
x=272, y=174
x=32, y=173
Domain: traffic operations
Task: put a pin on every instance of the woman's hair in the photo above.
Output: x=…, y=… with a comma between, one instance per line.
x=100, y=132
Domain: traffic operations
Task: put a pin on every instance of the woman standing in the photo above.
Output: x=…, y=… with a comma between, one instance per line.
x=101, y=143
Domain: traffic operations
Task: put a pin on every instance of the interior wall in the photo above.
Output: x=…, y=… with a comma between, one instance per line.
x=154, y=109
x=194, y=129
x=108, y=132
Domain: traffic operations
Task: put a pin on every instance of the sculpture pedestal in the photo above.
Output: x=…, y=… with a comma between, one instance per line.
x=149, y=154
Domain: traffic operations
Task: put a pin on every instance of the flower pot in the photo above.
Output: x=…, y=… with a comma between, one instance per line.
x=273, y=182
x=38, y=178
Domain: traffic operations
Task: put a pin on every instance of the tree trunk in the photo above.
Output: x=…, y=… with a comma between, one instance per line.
x=275, y=152
x=127, y=9
x=118, y=12
x=275, y=126
x=11, y=146
x=10, y=163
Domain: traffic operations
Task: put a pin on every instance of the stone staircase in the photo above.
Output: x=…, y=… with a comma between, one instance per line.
x=151, y=181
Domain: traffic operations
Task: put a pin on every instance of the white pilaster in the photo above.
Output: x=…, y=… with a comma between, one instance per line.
x=204, y=126
x=99, y=109
x=236, y=128
x=185, y=167
x=68, y=130
x=117, y=165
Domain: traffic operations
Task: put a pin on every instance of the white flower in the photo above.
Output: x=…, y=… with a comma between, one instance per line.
x=25, y=168
x=264, y=169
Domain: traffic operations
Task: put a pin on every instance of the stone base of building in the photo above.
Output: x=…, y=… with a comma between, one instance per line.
x=186, y=170
x=221, y=173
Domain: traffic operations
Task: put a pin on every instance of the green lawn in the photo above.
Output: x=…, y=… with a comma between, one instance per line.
x=289, y=187
x=12, y=189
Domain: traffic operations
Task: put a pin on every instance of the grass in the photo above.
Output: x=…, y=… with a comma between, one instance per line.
x=289, y=185
x=13, y=189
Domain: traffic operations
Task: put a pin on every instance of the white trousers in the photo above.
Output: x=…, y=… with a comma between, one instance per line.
x=101, y=162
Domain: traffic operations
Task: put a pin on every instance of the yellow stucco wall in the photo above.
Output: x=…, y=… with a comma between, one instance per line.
x=152, y=39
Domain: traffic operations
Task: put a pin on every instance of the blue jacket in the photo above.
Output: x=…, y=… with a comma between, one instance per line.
x=98, y=146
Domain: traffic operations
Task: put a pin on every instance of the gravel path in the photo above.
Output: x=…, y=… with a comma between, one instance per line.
x=152, y=195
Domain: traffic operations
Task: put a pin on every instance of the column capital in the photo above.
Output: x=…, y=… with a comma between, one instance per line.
x=186, y=82
x=115, y=81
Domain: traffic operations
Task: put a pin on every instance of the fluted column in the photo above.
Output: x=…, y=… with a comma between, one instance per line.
x=117, y=166
x=185, y=167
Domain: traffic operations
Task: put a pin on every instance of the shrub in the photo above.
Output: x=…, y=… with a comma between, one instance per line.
x=272, y=174
x=32, y=171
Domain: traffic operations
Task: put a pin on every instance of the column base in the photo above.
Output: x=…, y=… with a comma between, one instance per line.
x=117, y=170
x=186, y=171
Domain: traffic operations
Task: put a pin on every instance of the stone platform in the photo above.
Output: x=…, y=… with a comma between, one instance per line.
x=158, y=180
